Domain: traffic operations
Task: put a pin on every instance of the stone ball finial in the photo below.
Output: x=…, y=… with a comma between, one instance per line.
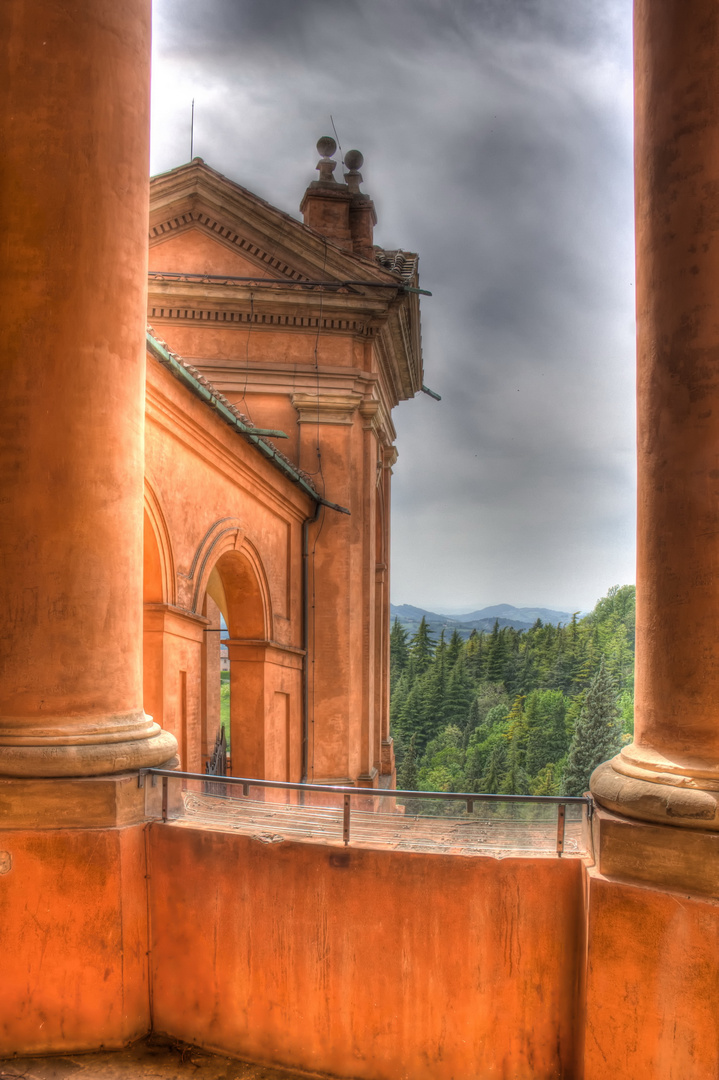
x=326, y=146
x=354, y=161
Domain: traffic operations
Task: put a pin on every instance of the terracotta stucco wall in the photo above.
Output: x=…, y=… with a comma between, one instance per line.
x=73, y=939
x=652, y=981
x=366, y=963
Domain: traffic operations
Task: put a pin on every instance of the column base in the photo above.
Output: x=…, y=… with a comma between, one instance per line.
x=670, y=799
x=74, y=748
x=661, y=855
x=82, y=802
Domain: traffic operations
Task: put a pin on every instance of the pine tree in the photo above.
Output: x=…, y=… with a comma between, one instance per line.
x=496, y=654
x=398, y=653
x=493, y=775
x=546, y=782
x=421, y=650
x=408, y=774
x=442, y=767
x=597, y=735
x=545, y=712
x=515, y=780
x=459, y=695
x=454, y=649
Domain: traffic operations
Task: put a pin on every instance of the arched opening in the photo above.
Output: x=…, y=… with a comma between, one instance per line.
x=236, y=597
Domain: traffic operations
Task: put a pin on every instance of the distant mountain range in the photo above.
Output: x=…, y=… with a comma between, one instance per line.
x=483, y=619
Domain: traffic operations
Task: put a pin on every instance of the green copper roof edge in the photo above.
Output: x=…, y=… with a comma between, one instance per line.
x=185, y=376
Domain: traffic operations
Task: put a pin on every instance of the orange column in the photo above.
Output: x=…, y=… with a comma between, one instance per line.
x=672, y=769
x=75, y=123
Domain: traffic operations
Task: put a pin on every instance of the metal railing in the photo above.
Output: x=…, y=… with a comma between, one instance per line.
x=347, y=793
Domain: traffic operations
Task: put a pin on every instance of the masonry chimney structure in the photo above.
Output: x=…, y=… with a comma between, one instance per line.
x=670, y=773
x=75, y=164
x=340, y=211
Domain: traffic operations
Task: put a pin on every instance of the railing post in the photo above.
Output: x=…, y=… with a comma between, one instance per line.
x=561, y=815
x=346, y=820
x=164, y=798
x=470, y=806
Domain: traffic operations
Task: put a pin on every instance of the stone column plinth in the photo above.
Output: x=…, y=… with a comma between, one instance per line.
x=75, y=137
x=671, y=770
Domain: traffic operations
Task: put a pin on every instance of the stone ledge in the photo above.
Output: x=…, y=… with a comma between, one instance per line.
x=652, y=854
x=78, y=802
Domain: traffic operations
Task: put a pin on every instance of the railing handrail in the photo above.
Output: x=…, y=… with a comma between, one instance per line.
x=346, y=789
x=560, y=801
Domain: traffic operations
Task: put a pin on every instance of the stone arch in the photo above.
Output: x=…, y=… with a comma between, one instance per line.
x=228, y=567
x=228, y=570
x=158, y=563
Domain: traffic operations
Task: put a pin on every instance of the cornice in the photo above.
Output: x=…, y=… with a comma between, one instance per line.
x=195, y=196
x=161, y=308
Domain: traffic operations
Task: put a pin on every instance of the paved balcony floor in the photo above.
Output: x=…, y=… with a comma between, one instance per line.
x=151, y=1059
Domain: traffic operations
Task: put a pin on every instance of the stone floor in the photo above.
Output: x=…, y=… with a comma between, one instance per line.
x=151, y=1059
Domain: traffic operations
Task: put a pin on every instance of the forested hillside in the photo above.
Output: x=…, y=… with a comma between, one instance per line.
x=511, y=711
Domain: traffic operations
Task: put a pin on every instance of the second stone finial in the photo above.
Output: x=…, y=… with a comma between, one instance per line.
x=326, y=147
x=353, y=178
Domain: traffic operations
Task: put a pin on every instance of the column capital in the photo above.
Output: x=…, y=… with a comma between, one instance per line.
x=168, y=619
x=252, y=651
x=326, y=408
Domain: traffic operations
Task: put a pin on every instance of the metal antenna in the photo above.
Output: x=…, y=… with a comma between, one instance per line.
x=192, y=130
x=342, y=159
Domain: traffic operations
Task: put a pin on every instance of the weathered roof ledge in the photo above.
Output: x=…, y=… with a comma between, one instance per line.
x=202, y=388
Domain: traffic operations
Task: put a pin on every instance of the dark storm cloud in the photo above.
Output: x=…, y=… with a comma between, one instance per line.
x=497, y=143
x=225, y=25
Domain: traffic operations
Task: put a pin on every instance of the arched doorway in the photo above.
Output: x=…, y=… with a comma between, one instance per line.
x=236, y=594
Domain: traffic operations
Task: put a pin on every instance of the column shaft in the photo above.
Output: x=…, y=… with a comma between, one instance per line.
x=75, y=120
x=677, y=229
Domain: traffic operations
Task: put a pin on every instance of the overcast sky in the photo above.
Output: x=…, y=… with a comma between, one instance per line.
x=497, y=144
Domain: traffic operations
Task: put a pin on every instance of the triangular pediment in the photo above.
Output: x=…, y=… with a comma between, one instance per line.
x=198, y=248
x=196, y=213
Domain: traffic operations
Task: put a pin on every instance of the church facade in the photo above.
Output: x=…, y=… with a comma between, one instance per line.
x=312, y=334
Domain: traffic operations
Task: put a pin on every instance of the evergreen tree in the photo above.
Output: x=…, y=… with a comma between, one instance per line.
x=545, y=712
x=515, y=780
x=597, y=735
x=421, y=650
x=496, y=654
x=442, y=766
x=459, y=695
x=546, y=782
x=474, y=654
x=496, y=763
x=468, y=686
x=398, y=653
x=408, y=774
x=454, y=650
